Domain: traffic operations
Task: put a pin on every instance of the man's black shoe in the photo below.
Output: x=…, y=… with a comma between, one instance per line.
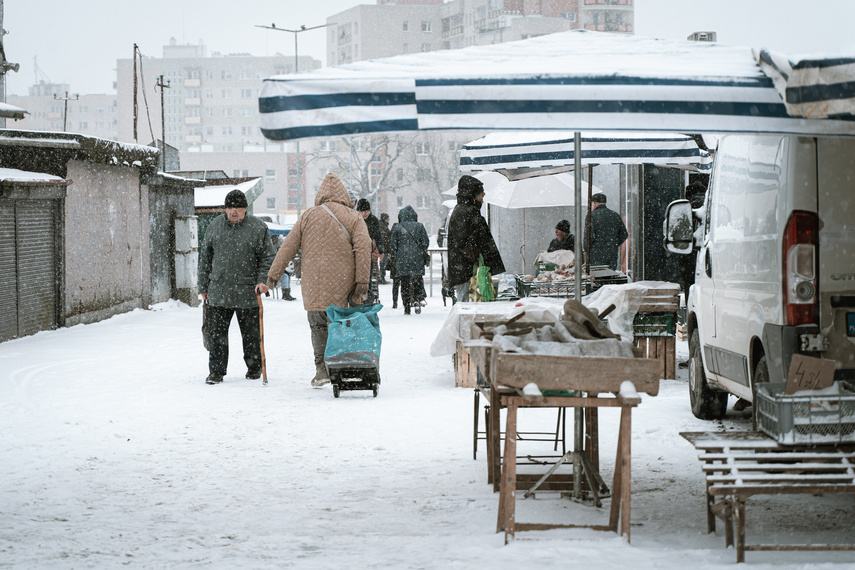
x=253, y=374
x=214, y=379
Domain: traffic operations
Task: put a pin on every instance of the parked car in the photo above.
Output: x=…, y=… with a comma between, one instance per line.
x=775, y=271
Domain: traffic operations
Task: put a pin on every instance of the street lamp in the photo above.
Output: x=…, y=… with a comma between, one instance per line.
x=302, y=28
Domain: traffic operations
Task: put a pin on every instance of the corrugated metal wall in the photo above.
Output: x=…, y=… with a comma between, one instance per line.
x=29, y=266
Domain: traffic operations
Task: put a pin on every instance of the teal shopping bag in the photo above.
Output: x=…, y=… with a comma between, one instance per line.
x=353, y=336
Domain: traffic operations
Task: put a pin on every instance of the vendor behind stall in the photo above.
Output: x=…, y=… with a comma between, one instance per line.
x=563, y=237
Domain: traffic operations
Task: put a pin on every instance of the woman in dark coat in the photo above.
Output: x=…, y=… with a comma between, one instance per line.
x=409, y=242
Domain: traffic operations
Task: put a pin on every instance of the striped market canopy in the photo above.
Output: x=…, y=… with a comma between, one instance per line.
x=521, y=152
x=577, y=80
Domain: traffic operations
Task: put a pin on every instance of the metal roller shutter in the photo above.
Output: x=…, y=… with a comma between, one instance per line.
x=8, y=272
x=37, y=291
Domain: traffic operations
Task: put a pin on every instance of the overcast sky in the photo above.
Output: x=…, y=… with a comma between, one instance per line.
x=79, y=42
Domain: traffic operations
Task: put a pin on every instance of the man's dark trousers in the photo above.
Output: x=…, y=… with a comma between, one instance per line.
x=221, y=317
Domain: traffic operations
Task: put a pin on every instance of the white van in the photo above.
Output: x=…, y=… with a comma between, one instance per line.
x=775, y=271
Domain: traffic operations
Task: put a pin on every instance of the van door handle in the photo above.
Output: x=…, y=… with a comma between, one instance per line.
x=708, y=262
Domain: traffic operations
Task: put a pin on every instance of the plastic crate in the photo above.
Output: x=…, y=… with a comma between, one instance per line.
x=806, y=419
x=653, y=325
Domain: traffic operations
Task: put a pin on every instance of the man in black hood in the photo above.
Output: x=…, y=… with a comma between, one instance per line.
x=468, y=237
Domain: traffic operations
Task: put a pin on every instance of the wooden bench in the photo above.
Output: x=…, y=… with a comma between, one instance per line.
x=739, y=465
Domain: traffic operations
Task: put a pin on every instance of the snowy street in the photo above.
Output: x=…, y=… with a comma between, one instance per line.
x=114, y=451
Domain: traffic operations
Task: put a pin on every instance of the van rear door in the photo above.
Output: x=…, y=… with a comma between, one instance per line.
x=836, y=210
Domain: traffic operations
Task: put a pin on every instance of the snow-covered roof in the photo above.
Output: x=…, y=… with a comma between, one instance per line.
x=215, y=196
x=15, y=175
x=8, y=111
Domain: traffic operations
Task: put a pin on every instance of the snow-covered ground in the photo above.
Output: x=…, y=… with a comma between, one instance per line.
x=114, y=451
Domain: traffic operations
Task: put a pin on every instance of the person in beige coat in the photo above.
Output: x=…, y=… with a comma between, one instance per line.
x=336, y=260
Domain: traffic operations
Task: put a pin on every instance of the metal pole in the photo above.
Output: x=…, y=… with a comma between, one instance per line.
x=299, y=164
x=136, y=106
x=578, y=420
x=163, y=86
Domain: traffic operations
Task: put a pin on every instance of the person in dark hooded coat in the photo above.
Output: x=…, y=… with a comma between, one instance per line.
x=468, y=237
x=409, y=241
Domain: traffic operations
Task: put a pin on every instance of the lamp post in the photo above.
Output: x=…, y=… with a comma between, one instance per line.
x=302, y=28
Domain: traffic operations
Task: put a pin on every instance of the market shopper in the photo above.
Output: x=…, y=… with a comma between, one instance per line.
x=387, y=245
x=607, y=233
x=236, y=253
x=409, y=243
x=563, y=237
x=469, y=237
x=336, y=260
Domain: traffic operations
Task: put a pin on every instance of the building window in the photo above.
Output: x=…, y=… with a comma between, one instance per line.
x=246, y=111
x=426, y=25
x=227, y=93
x=225, y=74
x=246, y=131
x=425, y=47
x=328, y=146
x=270, y=175
x=400, y=175
x=406, y=25
x=571, y=16
x=209, y=131
x=246, y=74
x=293, y=172
x=422, y=148
x=226, y=130
x=82, y=125
x=227, y=111
x=453, y=146
x=246, y=93
x=271, y=203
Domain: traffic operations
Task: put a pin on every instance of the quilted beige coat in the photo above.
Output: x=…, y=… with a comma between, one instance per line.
x=331, y=263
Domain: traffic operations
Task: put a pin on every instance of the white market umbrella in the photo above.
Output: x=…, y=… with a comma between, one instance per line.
x=575, y=80
x=540, y=192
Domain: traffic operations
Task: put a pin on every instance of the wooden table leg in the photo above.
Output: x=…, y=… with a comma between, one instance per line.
x=739, y=515
x=495, y=438
x=614, y=511
x=507, y=496
x=626, y=471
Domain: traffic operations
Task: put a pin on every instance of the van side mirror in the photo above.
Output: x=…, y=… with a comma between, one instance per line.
x=678, y=227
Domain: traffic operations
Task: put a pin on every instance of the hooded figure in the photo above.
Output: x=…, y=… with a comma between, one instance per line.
x=469, y=236
x=409, y=242
x=336, y=259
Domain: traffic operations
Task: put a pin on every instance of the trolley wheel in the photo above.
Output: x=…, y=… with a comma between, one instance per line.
x=336, y=391
x=375, y=389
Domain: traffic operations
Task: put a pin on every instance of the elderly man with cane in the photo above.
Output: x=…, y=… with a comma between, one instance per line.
x=233, y=263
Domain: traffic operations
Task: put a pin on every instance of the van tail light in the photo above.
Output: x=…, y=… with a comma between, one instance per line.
x=801, y=246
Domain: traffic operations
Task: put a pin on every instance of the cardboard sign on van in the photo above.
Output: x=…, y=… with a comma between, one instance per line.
x=808, y=373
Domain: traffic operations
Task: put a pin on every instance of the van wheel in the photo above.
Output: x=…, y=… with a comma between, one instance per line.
x=761, y=374
x=707, y=404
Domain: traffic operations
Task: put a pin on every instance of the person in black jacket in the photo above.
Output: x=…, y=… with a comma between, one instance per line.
x=468, y=237
x=409, y=242
x=387, y=235
x=608, y=232
x=378, y=248
x=563, y=237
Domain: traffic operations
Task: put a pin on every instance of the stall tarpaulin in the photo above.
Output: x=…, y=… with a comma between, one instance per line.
x=518, y=154
x=576, y=80
x=541, y=192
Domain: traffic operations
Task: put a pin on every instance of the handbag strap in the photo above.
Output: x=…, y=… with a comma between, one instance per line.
x=349, y=239
x=412, y=236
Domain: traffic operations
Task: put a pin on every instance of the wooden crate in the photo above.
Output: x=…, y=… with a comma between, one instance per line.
x=465, y=371
x=662, y=349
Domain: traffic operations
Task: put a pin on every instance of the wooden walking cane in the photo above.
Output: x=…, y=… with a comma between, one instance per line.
x=261, y=334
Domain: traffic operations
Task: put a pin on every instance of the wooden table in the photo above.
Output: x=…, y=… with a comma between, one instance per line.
x=739, y=465
x=595, y=383
x=621, y=491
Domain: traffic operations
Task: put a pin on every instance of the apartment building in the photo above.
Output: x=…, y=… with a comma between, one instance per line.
x=396, y=27
x=54, y=107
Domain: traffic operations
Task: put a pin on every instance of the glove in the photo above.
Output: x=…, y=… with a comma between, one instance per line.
x=271, y=282
x=360, y=292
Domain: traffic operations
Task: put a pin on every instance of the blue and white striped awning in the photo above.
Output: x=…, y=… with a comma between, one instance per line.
x=576, y=80
x=522, y=151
